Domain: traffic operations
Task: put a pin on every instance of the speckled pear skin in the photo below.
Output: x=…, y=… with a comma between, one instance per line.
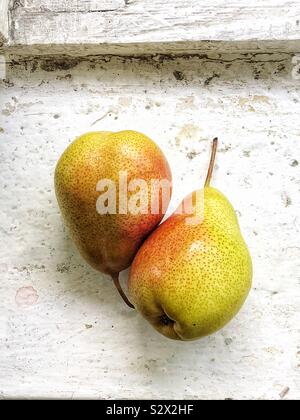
x=189, y=280
x=107, y=242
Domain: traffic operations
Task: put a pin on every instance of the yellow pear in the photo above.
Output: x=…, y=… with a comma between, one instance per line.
x=194, y=272
x=109, y=240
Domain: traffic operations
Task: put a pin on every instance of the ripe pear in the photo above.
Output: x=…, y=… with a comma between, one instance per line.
x=108, y=242
x=193, y=274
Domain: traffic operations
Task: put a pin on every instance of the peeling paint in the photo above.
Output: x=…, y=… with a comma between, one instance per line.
x=26, y=296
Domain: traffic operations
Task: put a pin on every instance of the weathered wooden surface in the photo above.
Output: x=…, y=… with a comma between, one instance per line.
x=3, y=21
x=81, y=27
x=64, y=332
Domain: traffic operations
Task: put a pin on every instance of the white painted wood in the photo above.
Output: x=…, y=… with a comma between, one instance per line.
x=63, y=6
x=3, y=20
x=68, y=334
x=122, y=27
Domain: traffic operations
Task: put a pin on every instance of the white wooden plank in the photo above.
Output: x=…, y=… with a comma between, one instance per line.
x=133, y=26
x=63, y=6
x=3, y=21
x=69, y=335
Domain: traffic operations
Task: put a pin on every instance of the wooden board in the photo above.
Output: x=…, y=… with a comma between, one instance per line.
x=64, y=332
x=3, y=21
x=88, y=27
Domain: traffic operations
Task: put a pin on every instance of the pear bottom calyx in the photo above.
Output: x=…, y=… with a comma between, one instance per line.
x=165, y=320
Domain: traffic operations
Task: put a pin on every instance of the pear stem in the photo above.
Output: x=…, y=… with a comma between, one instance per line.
x=116, y=281
x=212, y=162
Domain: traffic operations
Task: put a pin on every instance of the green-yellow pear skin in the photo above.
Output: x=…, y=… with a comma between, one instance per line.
x=191, y=276
x=108, y=242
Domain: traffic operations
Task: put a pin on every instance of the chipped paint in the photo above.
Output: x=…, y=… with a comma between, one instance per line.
x=26, y=296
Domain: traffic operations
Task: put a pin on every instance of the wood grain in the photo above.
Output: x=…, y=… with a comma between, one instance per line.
x=3, y=21
x=65, y=6
x=174, y=25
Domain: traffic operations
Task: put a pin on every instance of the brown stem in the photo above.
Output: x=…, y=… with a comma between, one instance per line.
x=116, y=281
x=212, y=162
